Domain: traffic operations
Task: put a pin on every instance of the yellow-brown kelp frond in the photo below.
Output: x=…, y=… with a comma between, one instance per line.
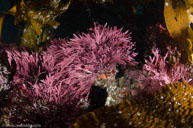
x=39, y=17
x=179, y=22
x=172, y=106
x=41, y=20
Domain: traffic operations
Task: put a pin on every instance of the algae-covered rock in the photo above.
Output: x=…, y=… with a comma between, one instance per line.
x=169, y=107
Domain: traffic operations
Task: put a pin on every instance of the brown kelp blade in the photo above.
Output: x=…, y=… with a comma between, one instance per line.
x=178, y=24
x=176, y=18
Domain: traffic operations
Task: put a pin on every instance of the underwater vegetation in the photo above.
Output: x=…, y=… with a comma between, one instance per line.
x=39, y=18
x=178, y=19
x=57, y=82
x=97, y=63
x=63, y=74
x=169, y=107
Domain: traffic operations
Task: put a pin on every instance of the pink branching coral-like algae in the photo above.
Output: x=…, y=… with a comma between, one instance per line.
x=63, y=74
x=27, y=66
x=61, y=77
x=79, y=61
x=159, y=73
x=66, y=71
